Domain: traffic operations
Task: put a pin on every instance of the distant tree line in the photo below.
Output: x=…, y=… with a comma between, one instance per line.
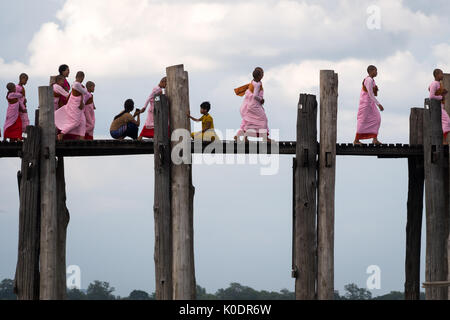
x=99, y=290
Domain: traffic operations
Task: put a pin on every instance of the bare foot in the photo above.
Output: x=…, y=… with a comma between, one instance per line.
x=60, y=137
x=139, y=139
x=357, y=143
x=376, y=142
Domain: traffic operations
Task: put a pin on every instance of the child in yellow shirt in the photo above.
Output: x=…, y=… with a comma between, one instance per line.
x=207, y=133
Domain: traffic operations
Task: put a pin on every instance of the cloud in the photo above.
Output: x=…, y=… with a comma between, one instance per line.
x=140, y=37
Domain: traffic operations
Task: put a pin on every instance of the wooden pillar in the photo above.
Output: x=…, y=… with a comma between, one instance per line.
x=183, y=269
x=27, y=271
x=436, y=217
x=327, y=179
x=63, y=217
x=446, y=83
x=415, y=209
x=162, y=212
x=305, y=200
x=49, y=219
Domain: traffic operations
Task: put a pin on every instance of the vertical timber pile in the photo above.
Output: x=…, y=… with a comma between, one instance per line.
x=26, y=284
x=49, y=219
x=183, y=268
x=162, y=212
x=436, y=256
x=327, y=181
x=305, y=200
x=416, y=183
x=63, y=220
x=447, y=108
x=63, y=217
x=446, y=83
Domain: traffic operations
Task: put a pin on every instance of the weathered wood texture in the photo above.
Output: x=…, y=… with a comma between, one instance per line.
x=416, y=184
x=49, y=219
x=305, y=200
x=183, y=270
x=446, y=83
x=63, y=222
x=27, y=270
x=162, y=210
x=327, y=180
x=436, y=211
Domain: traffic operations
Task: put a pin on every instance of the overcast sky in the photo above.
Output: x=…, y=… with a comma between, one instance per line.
x=242, y=219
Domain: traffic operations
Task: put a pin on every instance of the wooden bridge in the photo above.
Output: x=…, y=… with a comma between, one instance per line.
x=85, y=148
x=44, y=217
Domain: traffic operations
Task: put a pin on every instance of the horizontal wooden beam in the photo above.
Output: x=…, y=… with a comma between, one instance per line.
x=128, y=147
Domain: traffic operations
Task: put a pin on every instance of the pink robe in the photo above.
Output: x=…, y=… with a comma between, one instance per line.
x=12, y=112
x=90, y=115
x=150, y=123
x=66, y=86
x=60, y=91
x=23, y=115
x=253, y=115
x=435, y=86
x=369, y=117
x=69, y=118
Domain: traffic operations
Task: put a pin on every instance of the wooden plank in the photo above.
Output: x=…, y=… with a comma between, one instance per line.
x=436, y=284
x=327, y=180
x=63, y=217
x=436, y=211
x=49, y=220
x=305, y=203
x=27, y=270
x=183, y=270
x=416, y=184
x=162, y=212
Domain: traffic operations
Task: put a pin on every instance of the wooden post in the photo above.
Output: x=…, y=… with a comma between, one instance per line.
x=415, y=209
x=49, y=219
x=27, y=270
x=305, y=197
x=446, y=83
x=63, y=217
x=162, y=212
x=436, y=255
x=183, y=269
x=327, y=179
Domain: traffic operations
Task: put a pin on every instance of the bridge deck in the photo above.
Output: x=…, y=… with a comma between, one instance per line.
x=128, y=147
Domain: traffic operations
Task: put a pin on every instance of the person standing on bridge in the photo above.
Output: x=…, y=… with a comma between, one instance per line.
x=13, y=122
x=64, y=71
x=254, y=118
x=20, y=88
x=369, y=117
x=149, y=128
x=70, y=119
x=438, y=92
x=89, y=111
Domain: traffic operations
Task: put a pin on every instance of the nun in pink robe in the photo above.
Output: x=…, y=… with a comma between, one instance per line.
x=23, y=115
x=369, y=116
x=70, y=119
x=254, y=118
x=435, y=91
x=13, y=122
x=149, y=128
x=90, y=116
x=59, y=94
